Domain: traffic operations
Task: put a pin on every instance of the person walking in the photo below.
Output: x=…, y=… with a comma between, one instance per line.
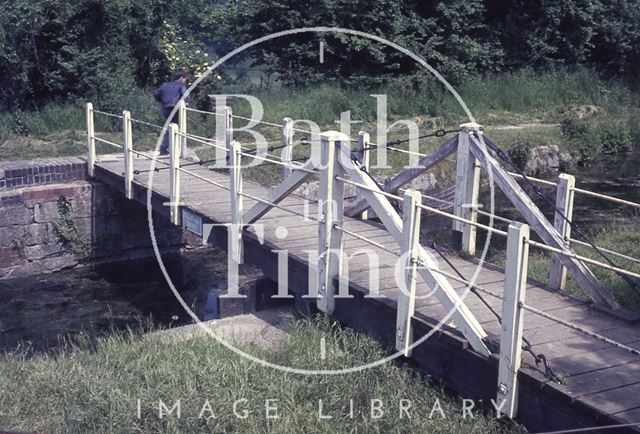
x=168, y=94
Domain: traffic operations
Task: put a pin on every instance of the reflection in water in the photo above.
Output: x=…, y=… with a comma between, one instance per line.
x=39, y=309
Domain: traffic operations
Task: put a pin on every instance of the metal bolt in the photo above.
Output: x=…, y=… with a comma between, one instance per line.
x=502, y=389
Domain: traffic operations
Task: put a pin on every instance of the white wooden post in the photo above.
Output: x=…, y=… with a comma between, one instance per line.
x=410, y=254
x=512, y=318
x=228, y=133
x=182, y=125
x=466, y=195
x=287, y=143
x=363, y=155
x=235, y=180
x=174, y=173
x=127, y=145
x=564, y=205
x=331, y=203
x=91, y=141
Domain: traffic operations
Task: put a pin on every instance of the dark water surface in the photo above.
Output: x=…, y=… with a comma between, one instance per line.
x=39, y=309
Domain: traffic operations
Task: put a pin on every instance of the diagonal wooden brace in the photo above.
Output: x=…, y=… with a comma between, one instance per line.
x=539, y=223
x=282, y=190
x=447, y=296
x=437, y=155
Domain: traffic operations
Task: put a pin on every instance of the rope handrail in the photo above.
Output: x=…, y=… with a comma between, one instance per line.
x=208, y=142
x=107, y=142
x=203, y=111
x=271, y=124
x=107, y=114
x=612, y=252
x=275, y=205
x=149, y=124
x=538, y=180
x=360, y=237
x=606, y=197
x=202, y=178
x=281, y=163
x=583, y=259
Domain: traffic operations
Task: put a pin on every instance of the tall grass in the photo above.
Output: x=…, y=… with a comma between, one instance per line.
x=96, y=387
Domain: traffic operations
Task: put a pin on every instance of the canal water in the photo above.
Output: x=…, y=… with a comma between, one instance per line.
x=41, y=309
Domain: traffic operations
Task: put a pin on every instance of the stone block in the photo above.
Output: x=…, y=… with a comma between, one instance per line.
x=46, y=212
x=41, y=251
x=35, y=234
x=15, y=215
x=9, y=256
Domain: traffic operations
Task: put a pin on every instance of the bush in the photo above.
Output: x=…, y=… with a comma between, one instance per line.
x=519, y=153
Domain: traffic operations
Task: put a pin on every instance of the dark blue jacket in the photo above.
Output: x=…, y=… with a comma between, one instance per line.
x=170, y=93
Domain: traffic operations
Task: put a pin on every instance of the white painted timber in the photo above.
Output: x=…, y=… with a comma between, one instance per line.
x=91, y=141
x=331, y=203
x=447, y=296
x=539, y=223
x=410, y=243
x=564, y=212
x=174, y=173
x=364, y=156
x=512, y=318
x=182, y=125
x=287, y=143
x=127, y=145
x=466, y=193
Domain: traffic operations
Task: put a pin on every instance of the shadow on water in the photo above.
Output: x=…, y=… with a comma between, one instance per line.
x=42, y=308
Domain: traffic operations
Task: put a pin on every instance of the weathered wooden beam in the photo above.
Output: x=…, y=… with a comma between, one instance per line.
x=515, y=284
x=331, y=203
x=235, y=179
x=564, y=206
x=466, y=194
x=539, y=223
x=410, y=243
x=450, y=300
x=282, y=190
x=402, y=178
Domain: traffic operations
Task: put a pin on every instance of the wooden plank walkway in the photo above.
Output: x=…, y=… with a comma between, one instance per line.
x=602, y=383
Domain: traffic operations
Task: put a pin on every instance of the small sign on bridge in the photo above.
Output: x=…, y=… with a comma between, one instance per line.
x=192, y=222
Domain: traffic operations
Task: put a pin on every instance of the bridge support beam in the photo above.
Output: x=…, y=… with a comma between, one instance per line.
x=127, y=145
x=331, y=204
x=512, y=318
x=466, y=194
x=564, y=207
x=407, y=295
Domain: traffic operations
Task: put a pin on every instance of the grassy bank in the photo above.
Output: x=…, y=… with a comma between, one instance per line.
x=95, y=387
x=596, y=115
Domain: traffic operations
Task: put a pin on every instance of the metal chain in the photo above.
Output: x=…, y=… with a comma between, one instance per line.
x=538, y=358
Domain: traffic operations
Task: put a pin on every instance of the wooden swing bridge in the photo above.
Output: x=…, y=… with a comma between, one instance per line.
x=408, y=293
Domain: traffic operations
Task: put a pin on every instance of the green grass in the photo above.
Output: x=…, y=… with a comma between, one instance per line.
x=94, y=387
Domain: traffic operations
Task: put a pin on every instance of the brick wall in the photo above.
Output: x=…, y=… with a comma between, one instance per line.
x=41, y=171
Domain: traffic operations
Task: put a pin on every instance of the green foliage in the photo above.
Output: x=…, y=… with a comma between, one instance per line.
x=67, y=231
x=519, y=153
